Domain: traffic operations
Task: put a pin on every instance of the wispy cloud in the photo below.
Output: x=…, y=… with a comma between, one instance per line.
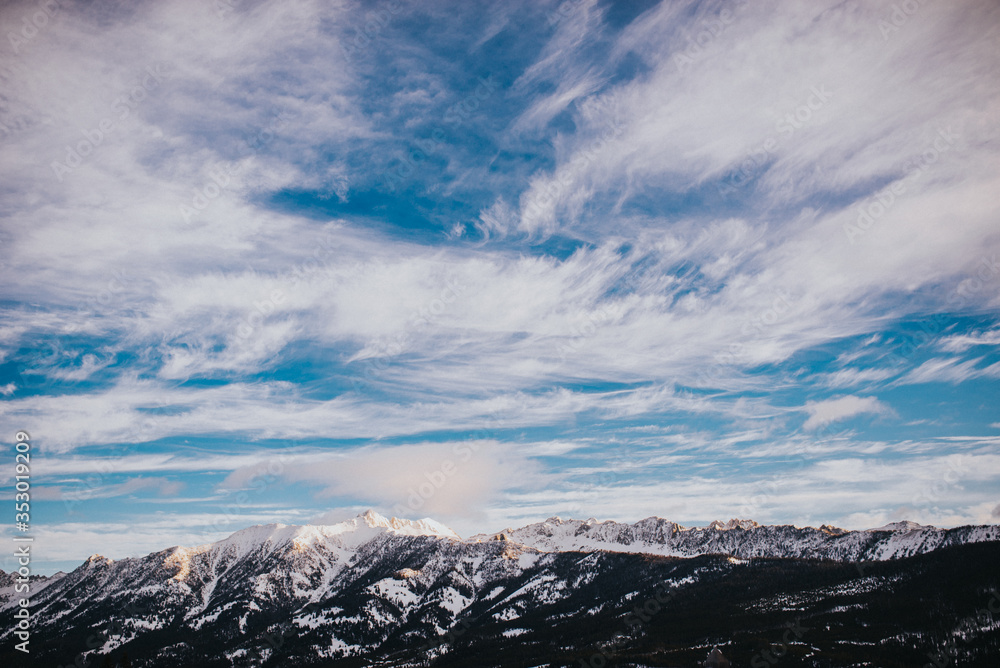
x=962, y=342
x=950, y=370
x=663, y=240
x=160, y=486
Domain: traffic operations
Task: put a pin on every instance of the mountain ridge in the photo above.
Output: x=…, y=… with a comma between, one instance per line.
x=372, y=586
x=744, y=538
x=611, y=535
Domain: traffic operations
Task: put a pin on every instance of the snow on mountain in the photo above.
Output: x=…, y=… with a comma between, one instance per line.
x=742, y=539
x=905, y=525
x=347, y=589
x=384, y=572
x=401, y=527
x=352, y=532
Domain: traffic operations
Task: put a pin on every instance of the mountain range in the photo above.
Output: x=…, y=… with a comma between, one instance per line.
x=390, y=592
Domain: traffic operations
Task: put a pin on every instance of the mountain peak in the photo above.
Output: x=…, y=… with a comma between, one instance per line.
x=404, y=527
x=905, y=525
x=733, y=524
x=395, y=581
x=374, y=519
x=356, y=530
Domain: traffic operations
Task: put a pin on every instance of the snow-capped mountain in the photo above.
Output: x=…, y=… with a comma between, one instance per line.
x=744, y=539
x=409, y=593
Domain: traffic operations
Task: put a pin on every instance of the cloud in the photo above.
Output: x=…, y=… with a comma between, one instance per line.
x=639, y=242
x=679, y=132
x=832, y=410
x=160, y=486
x=442, y=480
x=943, y=490
x=959, y=343
x=949, y=370
x=853, y=377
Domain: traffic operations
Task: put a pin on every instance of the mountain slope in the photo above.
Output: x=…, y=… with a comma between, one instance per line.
x=412, y=593
x=745, y=539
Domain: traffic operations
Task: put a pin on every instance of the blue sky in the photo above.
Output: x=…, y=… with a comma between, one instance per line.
x=494, y=262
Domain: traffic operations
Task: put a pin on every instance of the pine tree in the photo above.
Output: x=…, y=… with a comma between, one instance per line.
x=125, y=663
x=107, y=663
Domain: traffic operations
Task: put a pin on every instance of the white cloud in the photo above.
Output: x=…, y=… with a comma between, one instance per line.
x=944, y=490
x=851, y=377
x=161, y=486
x=157, y=152
x=442, y=480
x=685, y=128
x=959, y=343
x=949, y=370
x=831, y=410
x=457, y=338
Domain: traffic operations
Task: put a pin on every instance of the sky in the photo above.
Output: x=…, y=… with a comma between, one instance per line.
x=495, y=262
